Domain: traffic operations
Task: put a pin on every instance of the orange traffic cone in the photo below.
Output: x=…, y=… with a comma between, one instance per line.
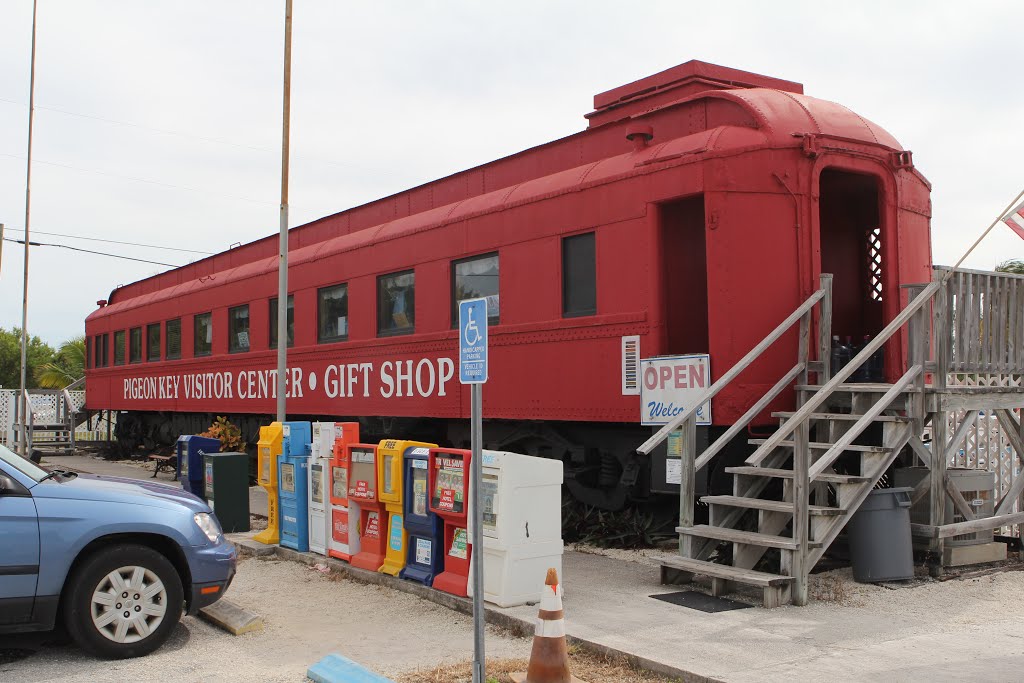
x=549, y=659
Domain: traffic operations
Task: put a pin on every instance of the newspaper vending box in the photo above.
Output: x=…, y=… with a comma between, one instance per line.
x=318, y=471
x=292, y=479
x=267, y=450
x=521, y=497
x=190, y=461
x=362, y=489
x=424, y=529
x=343, y=520
x=390, y=457
x=448, y=483
x=226, y=482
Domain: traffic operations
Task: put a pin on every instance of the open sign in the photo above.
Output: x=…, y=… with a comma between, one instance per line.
x=669, y=385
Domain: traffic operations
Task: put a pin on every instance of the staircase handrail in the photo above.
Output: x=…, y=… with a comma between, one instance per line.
x=80, y=382
x=819, y=397
x=783, y=327
x=833, y=453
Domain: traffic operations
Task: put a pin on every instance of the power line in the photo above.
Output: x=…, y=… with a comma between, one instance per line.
x=217, y=141
x=130, y=244
x=139, y=180
x=90, y=251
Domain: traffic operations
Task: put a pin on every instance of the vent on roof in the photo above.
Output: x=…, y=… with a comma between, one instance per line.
x=676, y=83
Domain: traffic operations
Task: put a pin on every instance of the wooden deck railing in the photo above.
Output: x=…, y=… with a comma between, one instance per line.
x=983, y=322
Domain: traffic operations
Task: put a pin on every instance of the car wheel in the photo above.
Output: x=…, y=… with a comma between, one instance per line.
x=123, y=601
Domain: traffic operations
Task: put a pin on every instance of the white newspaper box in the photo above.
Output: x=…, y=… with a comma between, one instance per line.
x=521, y=497
x=319, y=473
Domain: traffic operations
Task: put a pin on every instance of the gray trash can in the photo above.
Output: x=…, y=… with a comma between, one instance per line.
x=879, y=535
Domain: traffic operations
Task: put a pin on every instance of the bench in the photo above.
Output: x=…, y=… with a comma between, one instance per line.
x=165, y=461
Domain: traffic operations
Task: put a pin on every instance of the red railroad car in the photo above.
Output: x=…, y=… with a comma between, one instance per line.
x=695, y=212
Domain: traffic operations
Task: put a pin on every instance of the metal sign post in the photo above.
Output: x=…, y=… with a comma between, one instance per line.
x=473, y=371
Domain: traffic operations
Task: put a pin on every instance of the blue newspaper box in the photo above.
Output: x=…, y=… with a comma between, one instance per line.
x=424, y=558
x=293, y=483
x=189, y=470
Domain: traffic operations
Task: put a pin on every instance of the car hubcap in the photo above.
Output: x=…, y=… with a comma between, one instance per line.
x=128, y=604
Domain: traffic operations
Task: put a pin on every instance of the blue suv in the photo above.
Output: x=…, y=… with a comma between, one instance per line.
x=116, y=560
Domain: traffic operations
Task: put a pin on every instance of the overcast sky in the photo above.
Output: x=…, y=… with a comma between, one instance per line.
x=159, y=121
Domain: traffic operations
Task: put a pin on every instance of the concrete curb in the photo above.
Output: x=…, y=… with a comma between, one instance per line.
x=232, y=618
x=515, y=625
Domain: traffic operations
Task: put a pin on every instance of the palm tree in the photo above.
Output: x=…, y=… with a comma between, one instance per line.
x=1012, y=266
x=67, y=366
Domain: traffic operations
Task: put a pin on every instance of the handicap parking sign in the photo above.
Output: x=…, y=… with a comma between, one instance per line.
x=473, y=341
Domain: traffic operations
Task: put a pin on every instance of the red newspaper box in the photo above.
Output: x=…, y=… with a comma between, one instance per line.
x=362, y=490
x=449, y=499
x=343, y=516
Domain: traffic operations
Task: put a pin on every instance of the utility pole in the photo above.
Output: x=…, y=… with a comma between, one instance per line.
x=23, y=413
x=282, y=261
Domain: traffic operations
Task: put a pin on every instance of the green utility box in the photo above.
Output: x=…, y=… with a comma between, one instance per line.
x=226, y=479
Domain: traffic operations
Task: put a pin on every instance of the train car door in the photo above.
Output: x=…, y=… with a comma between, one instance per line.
x=852, y=236
x=684, y=275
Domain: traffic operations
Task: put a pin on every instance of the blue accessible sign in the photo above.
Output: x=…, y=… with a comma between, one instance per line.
x=473, y=341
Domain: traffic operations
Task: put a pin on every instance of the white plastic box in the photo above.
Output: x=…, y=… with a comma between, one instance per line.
x=521, y=497
x=319, y=473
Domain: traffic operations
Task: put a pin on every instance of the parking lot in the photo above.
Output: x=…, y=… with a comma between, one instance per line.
x=307, y=615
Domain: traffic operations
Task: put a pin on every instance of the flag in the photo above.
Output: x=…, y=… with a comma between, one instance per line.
x=1015, y=220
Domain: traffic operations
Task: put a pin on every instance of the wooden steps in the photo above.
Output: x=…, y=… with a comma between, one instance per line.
x=776, y=589
x=788, y=474
x=724, y=571
x=844, y=417
x=824, y=446
x=719, y=533
x=769, y=505
x=857, y=388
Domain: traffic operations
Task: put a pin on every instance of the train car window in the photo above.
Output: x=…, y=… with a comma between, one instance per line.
x=153, y=341
x=238, y=329
x=331, y=314
x=173, y=334
x=88, y=352
x=202, y=334
x=135, y=345
x=579, y=276
x=291, y=322
x=97, y=348
x=119, y=347
x=396, y=303
x=106, y=350
x=476, y=278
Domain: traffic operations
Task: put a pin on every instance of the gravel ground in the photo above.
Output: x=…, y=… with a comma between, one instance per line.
x=307, y=615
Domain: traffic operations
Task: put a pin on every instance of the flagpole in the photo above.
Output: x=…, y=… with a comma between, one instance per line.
x=282, y=264
x=996, y=222
x=23, y=413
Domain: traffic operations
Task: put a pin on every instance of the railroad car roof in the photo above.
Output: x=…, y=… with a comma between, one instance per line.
x=771, y=118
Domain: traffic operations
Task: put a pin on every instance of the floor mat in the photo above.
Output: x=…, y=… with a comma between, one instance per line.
x=701, y=601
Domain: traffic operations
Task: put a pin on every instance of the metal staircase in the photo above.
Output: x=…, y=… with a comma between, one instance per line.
x=801, y=485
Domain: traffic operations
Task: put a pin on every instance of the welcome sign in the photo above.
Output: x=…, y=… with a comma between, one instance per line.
x=669, y=385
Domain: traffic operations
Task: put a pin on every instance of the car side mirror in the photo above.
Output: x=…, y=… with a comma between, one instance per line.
x=10, y=487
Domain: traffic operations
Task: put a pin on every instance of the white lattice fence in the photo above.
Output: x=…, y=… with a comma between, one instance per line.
x=96, y=428
x=46, y=410
x=986, y=446
x=7, y=398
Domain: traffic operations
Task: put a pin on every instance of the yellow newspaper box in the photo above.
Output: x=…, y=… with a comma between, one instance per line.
x=267, y=450
x=390, y=465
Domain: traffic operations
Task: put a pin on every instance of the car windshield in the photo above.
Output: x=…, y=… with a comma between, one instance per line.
x=26, y=467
